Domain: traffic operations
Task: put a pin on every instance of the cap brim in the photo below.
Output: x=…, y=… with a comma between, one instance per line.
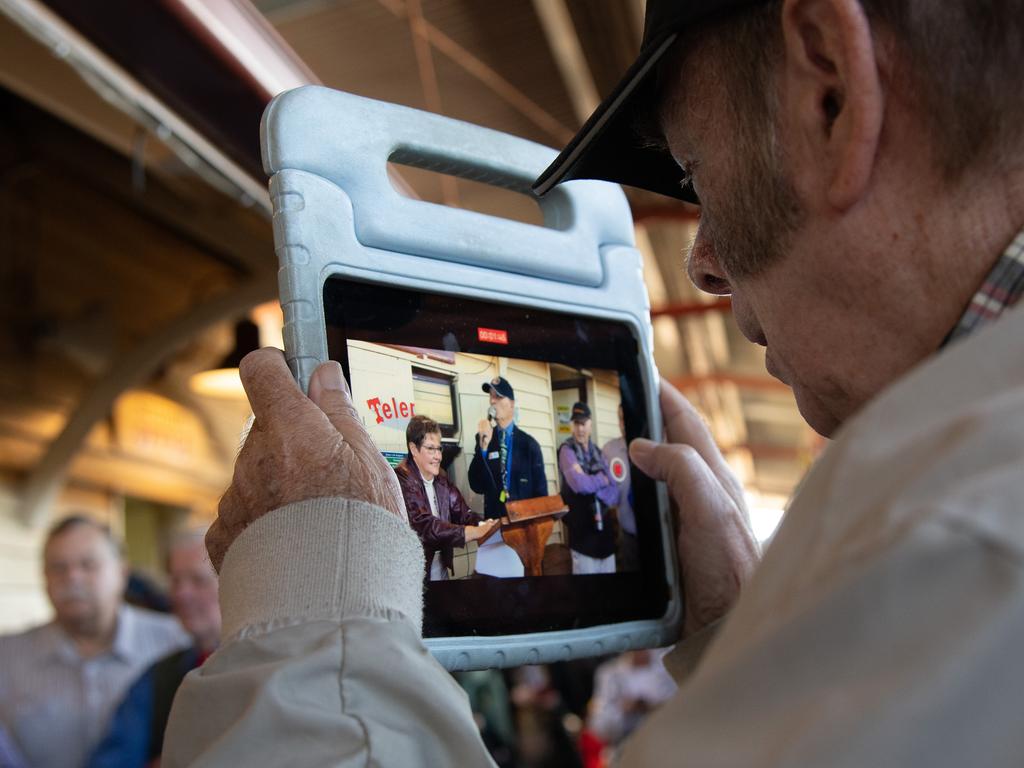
x=610, y=147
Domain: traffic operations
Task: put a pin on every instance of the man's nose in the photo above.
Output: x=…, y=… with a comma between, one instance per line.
x=704, y=269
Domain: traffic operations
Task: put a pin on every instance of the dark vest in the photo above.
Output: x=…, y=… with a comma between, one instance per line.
x=584, y=537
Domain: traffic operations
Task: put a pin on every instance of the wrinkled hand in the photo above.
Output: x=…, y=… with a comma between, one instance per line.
x=299, y=448
x=717, y=549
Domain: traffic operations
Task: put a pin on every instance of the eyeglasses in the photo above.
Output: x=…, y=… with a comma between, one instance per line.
x=431, y=448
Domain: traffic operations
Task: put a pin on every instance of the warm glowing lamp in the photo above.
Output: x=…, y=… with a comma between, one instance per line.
x=223, y=381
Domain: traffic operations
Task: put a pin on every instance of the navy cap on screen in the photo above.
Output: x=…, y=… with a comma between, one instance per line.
x=580, y=412
x=500, y=386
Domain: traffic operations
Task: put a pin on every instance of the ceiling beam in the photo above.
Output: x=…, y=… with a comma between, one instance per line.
x=101, y=72
x=757, y=383
x=681, y=309
x=564, y=43
x=44, y=482
x=644, y=214
x=501, y=87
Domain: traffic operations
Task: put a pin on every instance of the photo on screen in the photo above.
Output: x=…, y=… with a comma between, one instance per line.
x=537, y=446
x=517, y=482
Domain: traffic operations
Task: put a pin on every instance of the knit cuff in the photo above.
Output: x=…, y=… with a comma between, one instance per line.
x=327, y=558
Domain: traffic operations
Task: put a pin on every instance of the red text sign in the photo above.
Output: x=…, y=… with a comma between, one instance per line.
x=386, y=410
x=492, y=335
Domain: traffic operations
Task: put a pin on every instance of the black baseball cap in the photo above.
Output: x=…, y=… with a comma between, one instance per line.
x=500, y=387
x=609, y=145
x=580, y=412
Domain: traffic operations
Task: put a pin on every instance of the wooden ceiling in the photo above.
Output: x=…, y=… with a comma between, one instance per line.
x=108, y=238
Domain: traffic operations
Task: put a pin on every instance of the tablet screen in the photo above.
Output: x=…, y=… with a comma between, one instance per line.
x=501, y=412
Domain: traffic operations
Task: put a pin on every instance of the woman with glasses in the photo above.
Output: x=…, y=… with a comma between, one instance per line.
x=436, y=509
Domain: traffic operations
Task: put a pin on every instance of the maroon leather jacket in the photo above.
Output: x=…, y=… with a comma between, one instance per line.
x=444, y=532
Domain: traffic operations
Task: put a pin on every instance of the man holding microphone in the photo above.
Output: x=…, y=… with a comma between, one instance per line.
x=507, y=464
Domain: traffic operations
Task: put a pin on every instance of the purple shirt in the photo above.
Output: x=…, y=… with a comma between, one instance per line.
x=601, y=483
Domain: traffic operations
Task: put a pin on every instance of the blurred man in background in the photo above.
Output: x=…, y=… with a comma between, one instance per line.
x=59, y=683
x=136, y=734
x=626, y=689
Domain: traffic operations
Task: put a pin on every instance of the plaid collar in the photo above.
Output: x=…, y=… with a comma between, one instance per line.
x=1000, y=291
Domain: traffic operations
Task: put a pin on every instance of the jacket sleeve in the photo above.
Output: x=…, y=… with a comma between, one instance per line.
x=478, y=471
x=580, y=481
x=321, y=661
x=127, y=741
x=540, y=479
x=460, y=511
x=432, y=531
x=609, y=493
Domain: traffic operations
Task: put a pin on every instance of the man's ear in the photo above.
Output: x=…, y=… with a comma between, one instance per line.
x=833, y=93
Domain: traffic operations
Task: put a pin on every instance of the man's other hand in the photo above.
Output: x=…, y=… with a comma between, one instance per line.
x=717, y=549
x=299, y=448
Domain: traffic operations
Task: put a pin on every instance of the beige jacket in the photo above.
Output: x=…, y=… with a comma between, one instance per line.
x=885, y=626
x=322, y=663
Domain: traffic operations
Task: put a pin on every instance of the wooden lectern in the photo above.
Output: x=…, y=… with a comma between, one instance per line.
x=527, y=528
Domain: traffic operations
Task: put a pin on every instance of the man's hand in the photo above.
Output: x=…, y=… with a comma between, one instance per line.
x=717, y=549
x=474, y=532
x=484, y=431
x=299, y=448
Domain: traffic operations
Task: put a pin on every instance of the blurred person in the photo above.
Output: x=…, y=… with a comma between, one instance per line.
x=861, y=176
x=626, y=689
x=616, y=454
x=541, y=718
x=60, y=682
x=142, y=592
x=507, y=464
x=136, y=734
x=437, y=512
x=10, y=757
x=490, y=701
x=589, y=491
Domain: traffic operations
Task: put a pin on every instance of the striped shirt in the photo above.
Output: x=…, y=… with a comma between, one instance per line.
x=55, y=705
x=1001, y=290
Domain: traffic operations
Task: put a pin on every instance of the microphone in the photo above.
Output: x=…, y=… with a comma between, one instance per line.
x=492, y=416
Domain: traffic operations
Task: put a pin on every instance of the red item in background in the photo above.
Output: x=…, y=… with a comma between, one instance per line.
x=591, y=750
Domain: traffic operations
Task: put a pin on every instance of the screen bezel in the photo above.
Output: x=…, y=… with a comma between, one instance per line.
x=379, y=313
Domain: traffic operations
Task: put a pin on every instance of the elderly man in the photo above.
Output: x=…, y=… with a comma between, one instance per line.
x=136, y=734
x=861, y=176
x=589, y=491
x=59, y=683
x=507, y=463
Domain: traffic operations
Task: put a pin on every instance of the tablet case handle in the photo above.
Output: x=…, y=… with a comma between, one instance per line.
x=349, y=140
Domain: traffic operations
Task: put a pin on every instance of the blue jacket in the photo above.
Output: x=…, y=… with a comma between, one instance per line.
x=528, y=478
x=136, y=732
